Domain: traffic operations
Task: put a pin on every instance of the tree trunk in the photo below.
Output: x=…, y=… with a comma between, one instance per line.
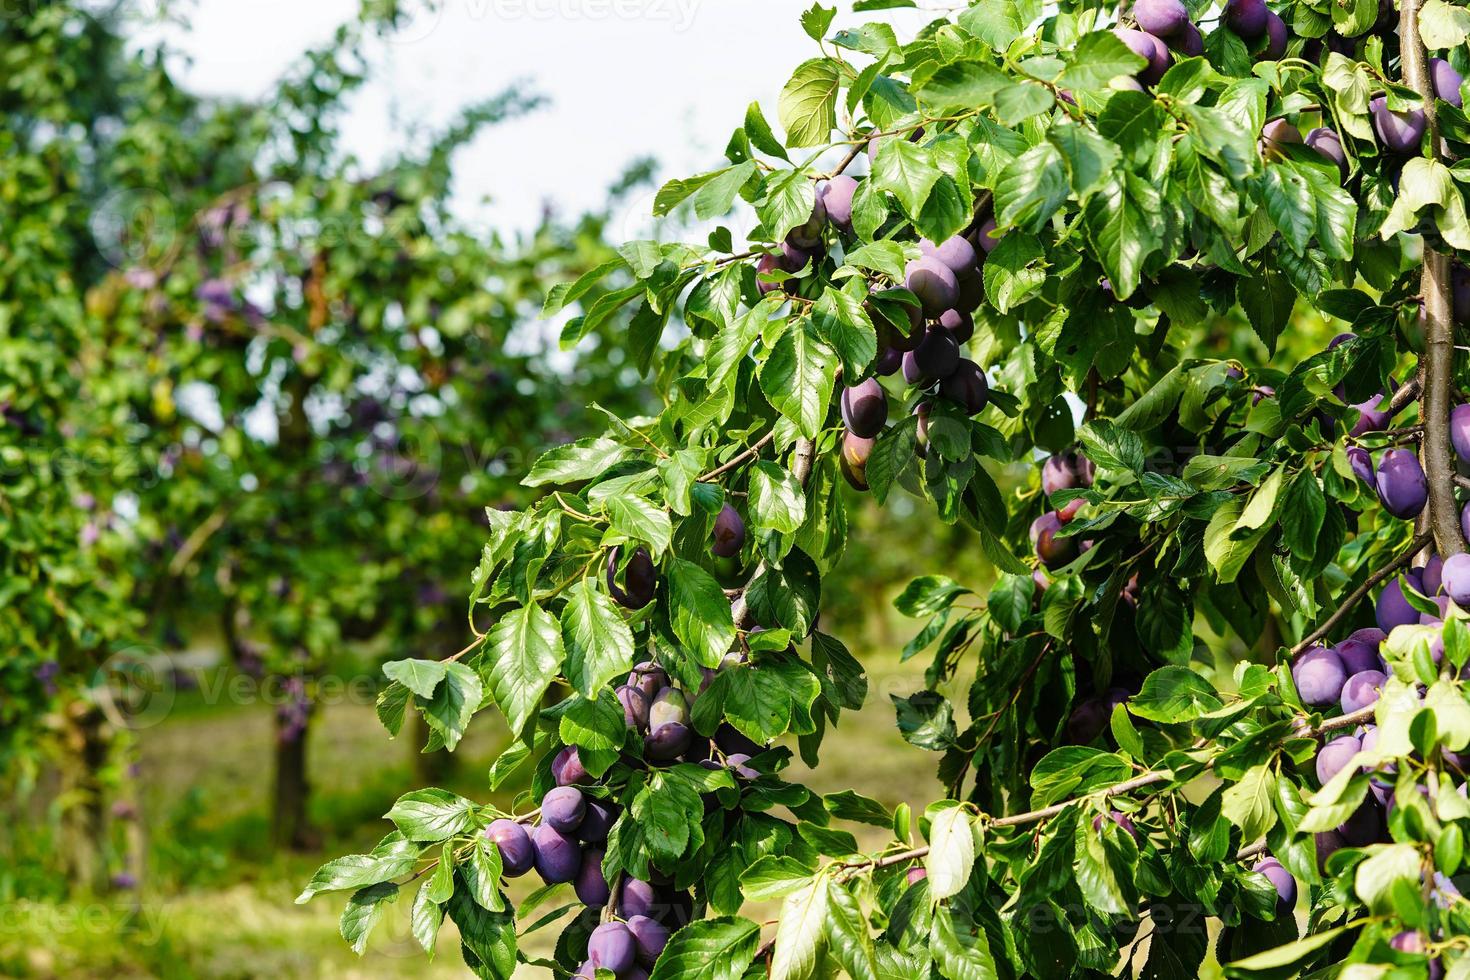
x=290, y=823
x=83, y=814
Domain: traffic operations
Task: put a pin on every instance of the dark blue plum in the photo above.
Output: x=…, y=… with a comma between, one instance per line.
x=517, y=855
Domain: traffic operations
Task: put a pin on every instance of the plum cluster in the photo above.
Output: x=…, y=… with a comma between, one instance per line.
x=568, y=843
x=921, y=341
x=1164, y=29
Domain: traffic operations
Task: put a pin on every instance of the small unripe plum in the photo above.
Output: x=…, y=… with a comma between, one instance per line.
x=737, y=764
x=731, y=740
x=808, y=235
x=967, y=387
x=1319, y=676
x=1188, y=42
x=955, y=253
x=1357, y=655
x=638, y=898
x=597, y=822
x=729, y=533
x=1276, y=37
x=640, y=579
x=649, y=678
x=611, y=947
x=1053, y=551
x=517, y=855
x=961, y=325
x=1402, y=486
x=563, y=809
x=1282, y=879
x=837, y=196
x=856, y=451
x=986, y=237
x=1069, y=510
x=1446, y=81
x=865, y=408
x=1334, y=757
x=1457, y=579
x=933, y=283
x=649, y=937
x=635, y=708
x=1400, y=132
x=566, y=768
x=1361, y=690
x=1460, y=431
x=916, y=874
x=1148, y=47
x=1276, y=134
x=1161, y=18
x=669, y=705
x=1328, y=144
x=1246, y=18
x=558, y=857
x=937, y=356
x=591, y=885
x=667, y=742
x=794, y=258
x=1362, y=465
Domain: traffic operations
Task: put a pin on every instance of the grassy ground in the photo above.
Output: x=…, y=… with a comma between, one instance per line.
x=218, y=904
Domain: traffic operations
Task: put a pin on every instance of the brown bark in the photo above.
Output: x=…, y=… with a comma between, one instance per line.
x=290, y=822
x=1439, y=340
x=84, y=815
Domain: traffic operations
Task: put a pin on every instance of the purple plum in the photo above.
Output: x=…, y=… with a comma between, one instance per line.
x=1460, y=431
x=1161, y=18
x=517, y=855
x=1402, y=486
x=1356, y=655
x=558, y=857
x=1319, y=676
x=566, y=768
x=1327, y=143
x=1400, y=132
x=591, y=885
x=955, y=253
x=865, y=408
x=635, y=708
x=1246, y=18
x=1393, y=609
x=1446, y=81
x=649, y=936
x=1277, y=37
x=1457, y=579
x=837, y=196
x=1053, y=551
x=1282, y=879
x=966, y=387
x=1334, y=757
x=729, y=533
x=611, y=947
x=933, y=283
x=598, y=821
x=1361, y=690
x=563, y=809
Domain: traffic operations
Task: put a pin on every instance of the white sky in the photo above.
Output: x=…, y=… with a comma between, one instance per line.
x=626, y=78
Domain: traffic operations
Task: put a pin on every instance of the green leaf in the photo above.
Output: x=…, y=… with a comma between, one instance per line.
x=576, y=461
x=1089, y=157
x=363, y=911
x=1031, y=189
x=419, y=676
x=816, y=20
x=1375, y=878
x=907, y=171
x=1111, y=447
x=597, y=640
x=848, y=939
x=759, y=132
x=777, y=501
x=844, y=325
x=1014, y=271
x=951, y=851
x=524, y=654
x=455, y=702
x=1174, y=695
x=488, y=939
x=426, y=919
x=1120, y=220
x=431, y=815
x=358, y=870
x=1272, y=961
x=798, y=377
x=1226, y=553
x=800, y=933
x=1443, y=25
x=1248, y=803
x=710, y=949
x=963, y=953
x=699, y=613
x=1096, y=59
x=640, y=520
x=808, y=104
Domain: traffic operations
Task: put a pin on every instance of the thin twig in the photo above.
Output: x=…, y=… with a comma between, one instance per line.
x=1357, y=594
x=738, y=459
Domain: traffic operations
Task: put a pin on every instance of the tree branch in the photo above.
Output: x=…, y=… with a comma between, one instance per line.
x=1357, y=594
x=1402, y=397
x=739, y=458
x=1439, y=331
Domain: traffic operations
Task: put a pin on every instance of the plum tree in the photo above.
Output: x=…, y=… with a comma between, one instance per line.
x=1167, y=639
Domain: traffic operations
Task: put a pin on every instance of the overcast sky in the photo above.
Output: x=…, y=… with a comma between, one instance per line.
x=626, y=78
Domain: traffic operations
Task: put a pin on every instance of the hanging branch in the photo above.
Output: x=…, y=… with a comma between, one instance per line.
x=1357, y=594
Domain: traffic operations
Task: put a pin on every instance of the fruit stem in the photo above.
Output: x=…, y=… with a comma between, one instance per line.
x=1439, y=341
